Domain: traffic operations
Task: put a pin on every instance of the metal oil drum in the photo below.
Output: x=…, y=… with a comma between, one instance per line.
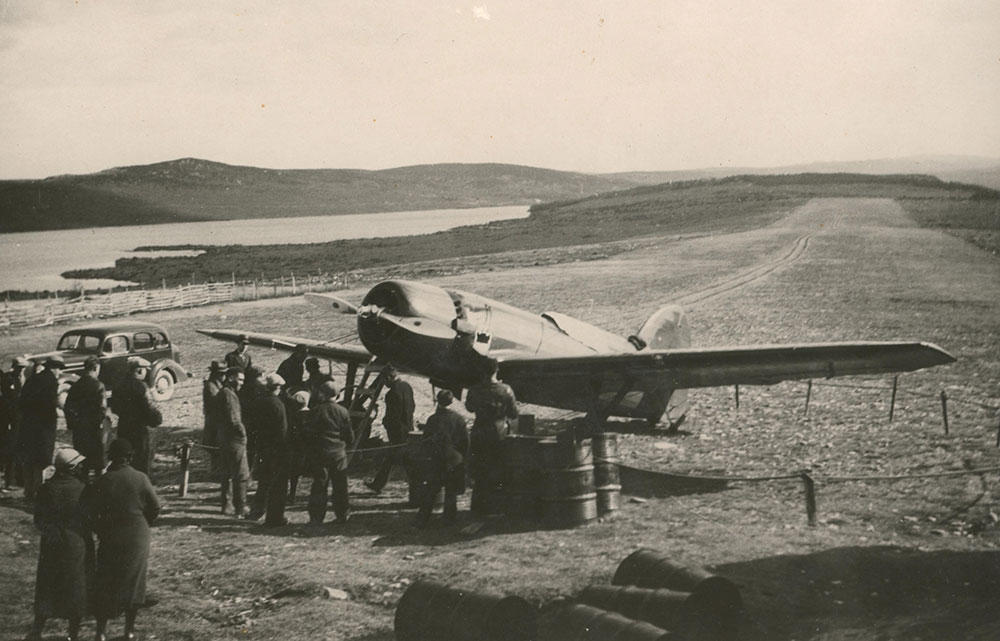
x=522, y=476
x=568, y=495
x=429, y=611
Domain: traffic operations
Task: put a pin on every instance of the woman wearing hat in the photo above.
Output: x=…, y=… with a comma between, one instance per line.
x=66, y=552
x=121, y=507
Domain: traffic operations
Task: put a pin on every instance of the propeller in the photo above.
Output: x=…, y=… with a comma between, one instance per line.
x=329, y=301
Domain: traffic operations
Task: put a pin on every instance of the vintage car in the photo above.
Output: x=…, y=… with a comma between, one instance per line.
x=113, y=342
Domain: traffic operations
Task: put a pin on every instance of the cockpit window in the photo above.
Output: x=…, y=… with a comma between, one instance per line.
x=79, y=343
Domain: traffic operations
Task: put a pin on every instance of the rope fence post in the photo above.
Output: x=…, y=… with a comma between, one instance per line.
x=737, y=396
x=892, y=401
x=998, y=433
x=185, y=454
x=944, y=410
x=809, y=390
x=810, y=487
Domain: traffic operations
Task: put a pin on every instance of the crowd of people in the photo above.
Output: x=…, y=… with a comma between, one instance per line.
x=277, y=426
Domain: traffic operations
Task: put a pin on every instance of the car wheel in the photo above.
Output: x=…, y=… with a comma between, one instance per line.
x=163, y=385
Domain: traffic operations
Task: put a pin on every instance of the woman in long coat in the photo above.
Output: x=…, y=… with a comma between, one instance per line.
x=66, y=553
x=122, y=506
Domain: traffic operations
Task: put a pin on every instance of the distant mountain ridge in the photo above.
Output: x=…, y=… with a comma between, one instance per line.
x=192, y=189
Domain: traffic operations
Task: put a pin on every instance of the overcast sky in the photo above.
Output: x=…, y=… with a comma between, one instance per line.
x=588, y=86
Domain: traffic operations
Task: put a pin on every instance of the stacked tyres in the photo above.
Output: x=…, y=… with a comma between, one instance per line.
x=607, y=482
x=522, y=476
x=687, y=614
x=430, y=611
x=568, y=495
x=575, y=622
x=421, y=466
x=715, y=594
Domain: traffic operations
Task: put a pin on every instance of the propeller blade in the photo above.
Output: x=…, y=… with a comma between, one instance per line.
x=416, y=325
x=329, y=301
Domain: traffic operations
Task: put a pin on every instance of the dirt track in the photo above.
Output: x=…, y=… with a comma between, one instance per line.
x=909, y=560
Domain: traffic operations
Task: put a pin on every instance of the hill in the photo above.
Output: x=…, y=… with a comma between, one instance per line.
x=974, y=170
x=190, y=189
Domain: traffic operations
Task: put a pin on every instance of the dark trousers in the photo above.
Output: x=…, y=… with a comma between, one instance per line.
x=328, y=474
x=89, y=441
x=389, y=459
x=142, y=447
x=272, y=488
x=487, y=482
x=32, y=479
x=429, y=492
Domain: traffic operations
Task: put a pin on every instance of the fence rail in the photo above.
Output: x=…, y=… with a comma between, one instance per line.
x=39, y=313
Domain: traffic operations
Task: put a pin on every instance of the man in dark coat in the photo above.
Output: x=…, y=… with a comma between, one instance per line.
x=11, y=384
x=232, y=444
x=121, y=507
x=85, y=408
x=398, y=422
x=239, y=357
x=66, y=551
x=446, y=430
x=326, y=436
x=210, y=435
x=292, y=368
x=267, y=415
x=37, y=438
x=252, y=389
x=495, y=407
x=316, y=380
x=137, y=413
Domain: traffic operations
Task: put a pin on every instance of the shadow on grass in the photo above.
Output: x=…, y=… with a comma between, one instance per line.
x=901, y=593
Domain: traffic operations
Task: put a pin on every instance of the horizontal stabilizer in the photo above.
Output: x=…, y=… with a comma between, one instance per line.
x=333, y=351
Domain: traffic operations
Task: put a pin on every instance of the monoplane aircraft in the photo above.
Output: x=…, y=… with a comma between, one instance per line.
x=449, y=337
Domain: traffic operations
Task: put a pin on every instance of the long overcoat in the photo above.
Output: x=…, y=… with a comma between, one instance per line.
x=121, y=508
x=39, y=401
x=447, y=430
x=66, y=552
x=137, y=413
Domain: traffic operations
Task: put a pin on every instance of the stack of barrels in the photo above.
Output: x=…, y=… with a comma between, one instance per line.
x=651, y=599
x=561, y=480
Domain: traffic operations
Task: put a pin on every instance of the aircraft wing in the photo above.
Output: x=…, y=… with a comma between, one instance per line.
x=325, y=349
x=567, y=382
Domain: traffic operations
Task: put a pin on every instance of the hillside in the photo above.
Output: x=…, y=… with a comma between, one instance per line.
x=726, y=205
x=974, y=170
x=190, y=189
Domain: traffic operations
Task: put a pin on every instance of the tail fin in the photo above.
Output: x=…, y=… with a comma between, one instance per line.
x=667, y=328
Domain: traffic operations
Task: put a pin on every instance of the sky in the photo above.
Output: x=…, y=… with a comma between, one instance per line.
x=592, y=86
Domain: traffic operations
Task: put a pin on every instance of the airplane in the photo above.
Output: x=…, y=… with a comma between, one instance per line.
x=450, y=336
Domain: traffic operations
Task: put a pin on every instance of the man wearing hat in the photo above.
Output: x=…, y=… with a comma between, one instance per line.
x=239, y=356
x=11, y=384
x=495, y=408
x=137, y=413
x=66, y=550
x=316, y=380
x=446, y=430
x=269, y=422
x=326, y=436
x=291, y=369
x=85, y=408
x=232, y=443
x=37, y=439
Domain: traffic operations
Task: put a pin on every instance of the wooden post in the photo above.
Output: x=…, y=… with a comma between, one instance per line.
x=809, y=391
x=810, y=487
x=185, y=465
x=737, y=397
x=892, y=402
x=998, y=433
x=293, y=283
x=944, y=410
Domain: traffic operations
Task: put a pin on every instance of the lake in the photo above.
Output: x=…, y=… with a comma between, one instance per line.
x=33, y=261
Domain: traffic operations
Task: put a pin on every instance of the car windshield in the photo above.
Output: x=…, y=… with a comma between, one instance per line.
x=73, y=341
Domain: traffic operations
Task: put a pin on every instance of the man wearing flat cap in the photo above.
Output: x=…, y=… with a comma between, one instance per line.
x=137, y=413
x=209, y=391
x=85, y=408
x=268, y=420
x=239, y=356
x=11, y=384
x=326, y=436
x=37, y=439
x=446, y=431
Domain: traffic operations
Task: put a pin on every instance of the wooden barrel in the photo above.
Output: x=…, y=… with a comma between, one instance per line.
x=429, y=611
x=568, y=495
x=522, y=476
x=647, y=568
x=575, y=622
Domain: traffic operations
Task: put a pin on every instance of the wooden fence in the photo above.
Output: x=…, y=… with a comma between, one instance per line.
x=38, y=313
